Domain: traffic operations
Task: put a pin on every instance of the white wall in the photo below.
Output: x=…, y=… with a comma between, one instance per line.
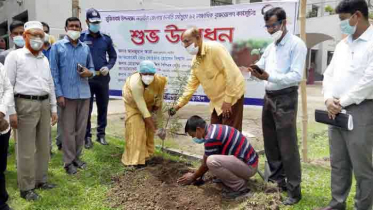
x=54, y=13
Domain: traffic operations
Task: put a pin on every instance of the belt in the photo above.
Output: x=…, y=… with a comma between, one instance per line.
x=39, y=98
x=282, y=91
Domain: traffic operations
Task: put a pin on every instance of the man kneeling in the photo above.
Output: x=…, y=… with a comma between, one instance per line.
x=228, y=156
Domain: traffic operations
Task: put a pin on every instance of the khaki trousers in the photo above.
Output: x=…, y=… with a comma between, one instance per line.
x=34, y=118
x=233, y=172
x=74, y=118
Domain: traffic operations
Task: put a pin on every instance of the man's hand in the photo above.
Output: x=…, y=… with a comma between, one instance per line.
x=54, y=118
x=186, y=179
x=85, y=73
x=263, y=76
x=61, y=101
x=3, y=125
x=173, y=110
x=333, y=107
x=149, y=123
x=227, y=109
x=104, y=70
x=13, y=121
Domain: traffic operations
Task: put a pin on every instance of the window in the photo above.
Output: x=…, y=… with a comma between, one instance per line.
x=220, y=2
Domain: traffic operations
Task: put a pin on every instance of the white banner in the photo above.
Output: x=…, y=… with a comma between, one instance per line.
x=155, y=35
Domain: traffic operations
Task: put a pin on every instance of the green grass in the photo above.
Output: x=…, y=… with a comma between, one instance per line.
x=88, y=189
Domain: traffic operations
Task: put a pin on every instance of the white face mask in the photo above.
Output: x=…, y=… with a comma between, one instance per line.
x=46, y=37
x=74, y=35
x=36, y=44
x=193, y=50
x=277, y=35
x=19, y=41
x=147, y=79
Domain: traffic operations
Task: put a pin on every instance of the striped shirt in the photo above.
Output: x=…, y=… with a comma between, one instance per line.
x=64, y=59
x=225, y=140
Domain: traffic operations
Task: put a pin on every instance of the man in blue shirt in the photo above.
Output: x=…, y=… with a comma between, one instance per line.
x=100, y=45
x=71, y=65
x=281, y=67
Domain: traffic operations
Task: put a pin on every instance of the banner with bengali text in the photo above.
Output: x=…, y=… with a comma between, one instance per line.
x=156, y=35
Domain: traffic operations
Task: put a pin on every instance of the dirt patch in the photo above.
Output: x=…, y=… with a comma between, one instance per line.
x=155, y=187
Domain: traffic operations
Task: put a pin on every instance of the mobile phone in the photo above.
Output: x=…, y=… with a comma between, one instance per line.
x=257, y=69
x=80, y=68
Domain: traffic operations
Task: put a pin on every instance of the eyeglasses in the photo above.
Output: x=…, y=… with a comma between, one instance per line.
x=33, y=36
x=273, y=25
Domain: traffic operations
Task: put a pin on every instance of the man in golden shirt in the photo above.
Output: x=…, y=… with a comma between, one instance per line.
x=143, y=96
x=221, y=79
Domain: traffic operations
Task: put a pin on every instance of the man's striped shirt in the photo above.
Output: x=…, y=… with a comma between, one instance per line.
x=225, y=140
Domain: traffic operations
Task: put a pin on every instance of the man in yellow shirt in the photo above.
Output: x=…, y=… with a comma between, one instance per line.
x=143, y=96
x=221, y=79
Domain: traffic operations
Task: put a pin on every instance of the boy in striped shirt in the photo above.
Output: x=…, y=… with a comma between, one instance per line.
x=228, y=155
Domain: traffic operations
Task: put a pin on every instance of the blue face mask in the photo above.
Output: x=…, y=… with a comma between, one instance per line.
x=95, y=28
x=346, y=28
x=198, y=141
x=19, y=41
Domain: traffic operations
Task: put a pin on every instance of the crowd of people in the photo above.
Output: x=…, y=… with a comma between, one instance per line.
x=44, y=82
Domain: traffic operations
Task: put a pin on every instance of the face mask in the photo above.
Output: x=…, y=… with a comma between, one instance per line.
x=198, y=141
x=19, y=41
x=277, y=35
x=46, y=38
x=193, y=50
x=147, y=79
x=36, y=44
x=74, y=35
x=346, y=28
x=95, y=28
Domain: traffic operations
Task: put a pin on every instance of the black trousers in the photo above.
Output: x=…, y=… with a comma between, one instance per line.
x=279, y=118
x=4, y=144
x=100, y=90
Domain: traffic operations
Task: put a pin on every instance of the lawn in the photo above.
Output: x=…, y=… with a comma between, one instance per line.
x=88, y=189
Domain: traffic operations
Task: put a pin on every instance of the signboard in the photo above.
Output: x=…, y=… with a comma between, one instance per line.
x=156, y=35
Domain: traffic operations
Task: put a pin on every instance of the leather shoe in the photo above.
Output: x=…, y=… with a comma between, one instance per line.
x=80, y=164
x=6, y=207
x=45, y=186
x=291, y=200
x=71, y=169
x=88, y=143
x=102, y=140
x=30, y=195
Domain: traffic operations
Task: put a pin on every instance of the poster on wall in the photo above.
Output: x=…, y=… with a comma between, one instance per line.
x=156, y=35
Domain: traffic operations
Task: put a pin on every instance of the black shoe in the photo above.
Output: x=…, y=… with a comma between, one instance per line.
x=80, y=164
x=88, y=143
x=30, y=195
x=45, y=186
x=59, y=146
x=291, y=201
x=102, y=140
x=71, y=169
x=237, y=194
x=6, y=207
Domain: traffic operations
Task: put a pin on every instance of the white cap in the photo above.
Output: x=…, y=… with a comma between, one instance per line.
x=33, y=25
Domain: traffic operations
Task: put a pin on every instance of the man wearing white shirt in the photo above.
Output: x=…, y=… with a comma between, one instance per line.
x=35, y=104
x=282, y=64
x=6, y=99
x=348, y=84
